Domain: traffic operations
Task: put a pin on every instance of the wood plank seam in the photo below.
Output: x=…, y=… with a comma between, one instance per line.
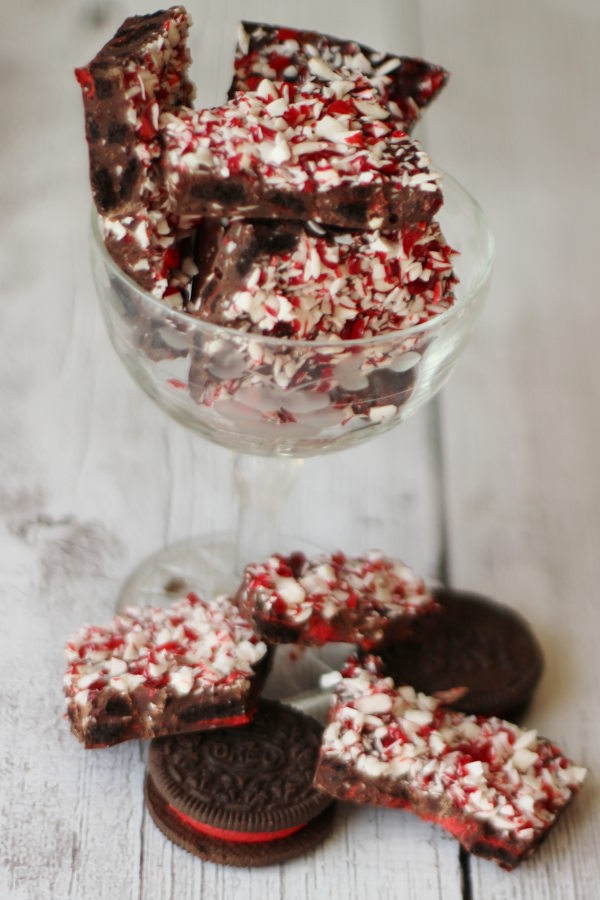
x=443, y=572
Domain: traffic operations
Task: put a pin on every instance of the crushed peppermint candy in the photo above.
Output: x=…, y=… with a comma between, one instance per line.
x=303, y=151
x=153, y=250
x=496, y=787
x=159, y=670
x=307, y=282
x=367, y=600
x=325, y=144
x=403, y=85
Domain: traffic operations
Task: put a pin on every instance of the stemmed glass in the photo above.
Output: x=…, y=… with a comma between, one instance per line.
x=275, y=401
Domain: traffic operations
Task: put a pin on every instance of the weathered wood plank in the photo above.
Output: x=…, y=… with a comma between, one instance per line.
x=93, y=478
x=520, y=423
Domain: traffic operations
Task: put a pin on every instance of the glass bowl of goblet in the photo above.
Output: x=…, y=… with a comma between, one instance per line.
x=275, y=401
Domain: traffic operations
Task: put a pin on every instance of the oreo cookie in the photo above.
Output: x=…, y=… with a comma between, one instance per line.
x=479, y=645
x=242, y=796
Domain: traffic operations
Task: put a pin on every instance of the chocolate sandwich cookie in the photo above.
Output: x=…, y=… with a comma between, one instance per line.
x=242, y=796
x=478, y=644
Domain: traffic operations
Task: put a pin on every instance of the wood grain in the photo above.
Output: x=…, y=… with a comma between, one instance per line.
x=521, y=431
x=502, y=487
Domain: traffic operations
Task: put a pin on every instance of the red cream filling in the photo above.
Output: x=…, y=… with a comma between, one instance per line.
x=240, y=837
x=242, y=719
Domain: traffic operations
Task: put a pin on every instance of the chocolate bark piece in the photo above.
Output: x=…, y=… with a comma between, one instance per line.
x=478, y=644
x=144, y=322
x=141, y=71
x=156, y=671
x=300, y=389
x=287, y=279
x=404, y=85
x=153, y=250
x=303, y=152
x=369, y=600
x=495, y=787
x=242, y=796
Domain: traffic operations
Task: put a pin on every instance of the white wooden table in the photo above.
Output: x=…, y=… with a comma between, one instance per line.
x=494, y=486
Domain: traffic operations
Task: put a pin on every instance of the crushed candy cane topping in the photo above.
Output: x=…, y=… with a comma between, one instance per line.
x=403, y=85
x=490, y=769
x=187, y=648
x=309, y=137
x=350, y=286
x=294, y=588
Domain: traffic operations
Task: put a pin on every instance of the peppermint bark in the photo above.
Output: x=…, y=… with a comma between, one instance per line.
x=155, y=671
x=369, y=601
x=497, y=788
x=304, y=152
x=293, y=280
x=404, y=85
x=139, y=73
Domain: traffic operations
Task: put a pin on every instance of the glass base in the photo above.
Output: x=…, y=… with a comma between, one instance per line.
x=300, y=677
x=205, y=565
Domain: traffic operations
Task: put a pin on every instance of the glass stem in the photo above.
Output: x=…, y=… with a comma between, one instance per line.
x=263, y=485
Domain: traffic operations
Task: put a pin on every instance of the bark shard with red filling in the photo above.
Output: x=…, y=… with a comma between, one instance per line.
x=369, y=601
x=404, y=85
x=495, y=787
x=304, y=152
x=154, y=671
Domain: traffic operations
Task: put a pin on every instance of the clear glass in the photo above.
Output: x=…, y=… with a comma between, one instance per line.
x=289, y=398
x=271, y=397
x=274, y=401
